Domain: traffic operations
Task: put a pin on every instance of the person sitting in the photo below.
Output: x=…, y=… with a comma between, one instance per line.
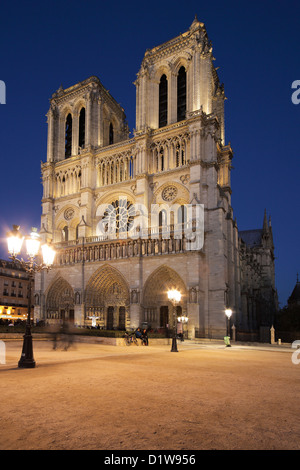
x=145, y=337
x=138, y=334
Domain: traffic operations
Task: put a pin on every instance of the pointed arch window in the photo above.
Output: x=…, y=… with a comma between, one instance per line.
x=181, y=94
x=163, y=101
x=131, y=167
x=162, y=218
x=111, y=134
x=65, y=234
x=68, y=136
x=180, y=154
x=81, y=141
x=162, y=159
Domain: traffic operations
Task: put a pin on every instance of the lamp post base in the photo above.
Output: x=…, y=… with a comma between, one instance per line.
x=174, y=345
x=26, y=361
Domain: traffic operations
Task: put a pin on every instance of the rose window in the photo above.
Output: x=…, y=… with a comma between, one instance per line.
x=119, y=214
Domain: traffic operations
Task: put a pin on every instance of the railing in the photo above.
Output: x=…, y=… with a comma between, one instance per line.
x=96, y=249
x=165, y=231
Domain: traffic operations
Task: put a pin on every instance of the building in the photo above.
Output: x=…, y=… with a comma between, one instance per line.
x=294, y=298
x=259, y=301
x=13, y=292
x=132, y=218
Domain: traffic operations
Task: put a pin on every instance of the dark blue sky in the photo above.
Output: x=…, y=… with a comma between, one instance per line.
x=256, y=45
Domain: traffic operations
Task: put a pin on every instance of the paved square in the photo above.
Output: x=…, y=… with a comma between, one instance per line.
x=205, y=396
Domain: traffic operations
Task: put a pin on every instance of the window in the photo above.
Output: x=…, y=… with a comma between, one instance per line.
x=163, y=101
x=119, y=216
x=162, y=161
x=180, y=156
x=68, y=136
x=65, y=234
x=111, y=134
x=181, y=94
x=131, y=167
x=81, y=141
x=162, y=218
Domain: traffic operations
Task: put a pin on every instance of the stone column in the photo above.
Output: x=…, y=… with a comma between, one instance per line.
x=75, y=133
x=79, y=314
x=50, y=143
x=88, y=124
x=100, y=124
x=172, y=98
x=135, y=315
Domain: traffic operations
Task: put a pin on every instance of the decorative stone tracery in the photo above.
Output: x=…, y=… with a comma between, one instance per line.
x=107, y=297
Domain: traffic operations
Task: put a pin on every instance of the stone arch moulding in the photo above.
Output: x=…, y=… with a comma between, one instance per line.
x=61, y=220
x=65, y=110
x=110, y=197
x=182, y=194
x=181, y=61
x=59, y=296
x=106, y=286
x=159, y=282
x=80, y=103
x=162, y=69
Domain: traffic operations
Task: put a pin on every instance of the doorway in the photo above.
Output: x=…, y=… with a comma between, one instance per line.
x=164, y=316
x=122, y=318
x=110, y=318
x=71, y=315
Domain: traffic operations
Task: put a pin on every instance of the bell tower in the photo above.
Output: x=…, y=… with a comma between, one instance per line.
x=82, y=119
x=177, y=79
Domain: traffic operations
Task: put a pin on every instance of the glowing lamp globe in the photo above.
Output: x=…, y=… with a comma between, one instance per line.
x=48, y=254
x=228, y=312
x=174, y=295
x=14, y=241
x=33, y=243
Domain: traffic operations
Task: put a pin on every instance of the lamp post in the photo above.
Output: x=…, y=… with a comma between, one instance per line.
x=228, y=313
x=174, y=296
x=14, y=242
x=183, y=320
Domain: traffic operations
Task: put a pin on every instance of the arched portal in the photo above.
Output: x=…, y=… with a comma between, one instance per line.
x=60, y=301
x=158, y=311
x=107, y=299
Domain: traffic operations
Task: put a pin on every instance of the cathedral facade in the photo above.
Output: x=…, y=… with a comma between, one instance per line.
x=132, y=218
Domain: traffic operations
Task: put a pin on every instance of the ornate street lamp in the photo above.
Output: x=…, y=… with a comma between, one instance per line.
x=228, y=313
x=183, y=319
x=14, y=242
x=174, y=296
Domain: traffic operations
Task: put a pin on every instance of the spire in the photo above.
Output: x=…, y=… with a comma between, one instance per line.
x=196, y=23
x=265, y=224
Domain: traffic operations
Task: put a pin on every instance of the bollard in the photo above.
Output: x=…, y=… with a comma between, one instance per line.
x=2, y=353
x=272, y=332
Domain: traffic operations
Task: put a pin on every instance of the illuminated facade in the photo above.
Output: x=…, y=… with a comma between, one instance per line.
x=177, y=157
x=13, y=292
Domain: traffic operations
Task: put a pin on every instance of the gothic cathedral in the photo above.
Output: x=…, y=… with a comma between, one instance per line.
x=132, y=218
